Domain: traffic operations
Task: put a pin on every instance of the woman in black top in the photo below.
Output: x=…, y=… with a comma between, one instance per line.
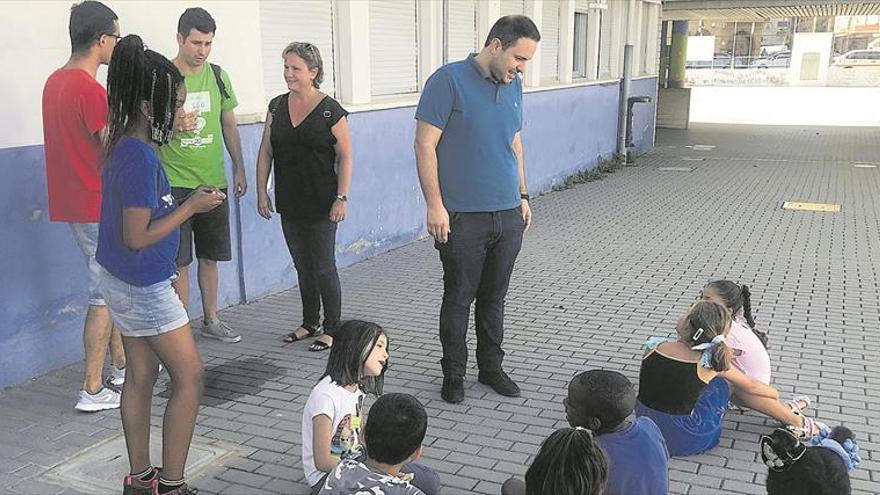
x=307, y=137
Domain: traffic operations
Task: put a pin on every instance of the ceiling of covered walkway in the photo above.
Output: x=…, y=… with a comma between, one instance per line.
x=749, y=10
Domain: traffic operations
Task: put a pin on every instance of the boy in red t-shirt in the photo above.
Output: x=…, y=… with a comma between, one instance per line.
x=74, y=125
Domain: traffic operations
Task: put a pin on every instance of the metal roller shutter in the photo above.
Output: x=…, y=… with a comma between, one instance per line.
x=550, y=41
x=461, y=29
x=282, y=22
x=394, y=47
x=512, y=7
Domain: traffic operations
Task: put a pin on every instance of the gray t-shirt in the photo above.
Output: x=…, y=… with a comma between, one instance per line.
x=351, y=477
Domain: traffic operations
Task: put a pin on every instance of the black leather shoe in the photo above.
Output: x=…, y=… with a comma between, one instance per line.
x=453, y=389
x=500, y=382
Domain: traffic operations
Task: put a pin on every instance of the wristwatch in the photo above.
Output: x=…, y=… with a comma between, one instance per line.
x=525, y=196
x=342, y=197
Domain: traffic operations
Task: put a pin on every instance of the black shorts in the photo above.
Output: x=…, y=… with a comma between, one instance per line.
x=210, y=230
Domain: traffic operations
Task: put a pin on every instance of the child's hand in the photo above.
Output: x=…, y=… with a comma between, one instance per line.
x=205, y=198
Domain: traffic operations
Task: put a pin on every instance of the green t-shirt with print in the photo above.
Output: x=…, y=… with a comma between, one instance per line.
x=195, y=157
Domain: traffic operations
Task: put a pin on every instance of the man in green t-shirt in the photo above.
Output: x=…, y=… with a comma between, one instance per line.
x=194, y=157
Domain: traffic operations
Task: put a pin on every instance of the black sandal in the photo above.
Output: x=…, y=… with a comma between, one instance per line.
x=318, y=346
x=310, y=332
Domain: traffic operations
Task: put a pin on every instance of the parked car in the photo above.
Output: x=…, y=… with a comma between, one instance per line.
x=719, y=61
x=778, y=59
x=858, y=58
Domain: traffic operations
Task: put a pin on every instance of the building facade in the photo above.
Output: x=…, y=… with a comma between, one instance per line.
x=377, y=55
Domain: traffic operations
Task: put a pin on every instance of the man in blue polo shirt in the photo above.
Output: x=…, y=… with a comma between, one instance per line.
x=470, y=164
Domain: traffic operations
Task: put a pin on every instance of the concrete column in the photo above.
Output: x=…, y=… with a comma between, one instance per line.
x=678, y=54
x=664, y=52
x=535, y=11
x=430, y=19
x=353, y=50
x=566, y=40
x=488, y=11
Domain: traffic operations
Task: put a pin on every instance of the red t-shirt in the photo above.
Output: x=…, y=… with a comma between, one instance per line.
x=74, y=111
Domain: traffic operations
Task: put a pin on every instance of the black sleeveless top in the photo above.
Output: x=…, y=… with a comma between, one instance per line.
x=669, y=385
x=305, y=159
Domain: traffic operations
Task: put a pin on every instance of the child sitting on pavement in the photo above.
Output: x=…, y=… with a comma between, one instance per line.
x=393, y=438
x=333, y=414
x=602, y=401
x=570, y=462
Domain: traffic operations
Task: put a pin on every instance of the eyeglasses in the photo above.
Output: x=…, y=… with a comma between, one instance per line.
x=114, y=35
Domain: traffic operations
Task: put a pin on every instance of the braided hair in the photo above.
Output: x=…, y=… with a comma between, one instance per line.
x=570, y=462
x=738, y=297
x=137, y=74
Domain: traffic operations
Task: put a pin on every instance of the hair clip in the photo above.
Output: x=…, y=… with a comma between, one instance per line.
x=698, y=334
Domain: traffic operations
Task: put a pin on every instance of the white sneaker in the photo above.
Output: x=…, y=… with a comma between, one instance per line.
x=106, y=398
x=117, y=376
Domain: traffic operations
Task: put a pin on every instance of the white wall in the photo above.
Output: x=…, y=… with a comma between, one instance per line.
x=35, y=41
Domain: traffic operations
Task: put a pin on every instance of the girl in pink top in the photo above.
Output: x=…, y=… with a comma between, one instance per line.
x=749, y=345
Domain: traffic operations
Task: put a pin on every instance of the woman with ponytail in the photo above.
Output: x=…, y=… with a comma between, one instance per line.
x=685, y=385
x=137, y=246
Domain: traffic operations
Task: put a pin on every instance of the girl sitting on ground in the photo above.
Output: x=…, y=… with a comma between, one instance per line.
x=570, y=462
x=334, y=413
x=685, y=385
x=748, y=345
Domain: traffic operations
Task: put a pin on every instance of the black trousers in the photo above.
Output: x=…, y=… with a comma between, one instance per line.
x=312, y=244
x=477, y=259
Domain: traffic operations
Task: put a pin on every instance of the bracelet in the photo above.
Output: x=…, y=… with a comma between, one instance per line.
x=342, y=197
x=525, y=196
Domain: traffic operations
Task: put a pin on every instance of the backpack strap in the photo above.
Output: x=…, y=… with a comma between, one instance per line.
x=219, y=78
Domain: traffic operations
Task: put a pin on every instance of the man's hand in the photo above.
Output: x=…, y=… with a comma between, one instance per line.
x=239, y=183
x=338, y=211
x=185, y=121
x=526, y=212
x=438, y=224
x=264, y=205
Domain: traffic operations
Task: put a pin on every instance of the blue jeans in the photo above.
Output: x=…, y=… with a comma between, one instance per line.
x=312, y=245
x=477, y=258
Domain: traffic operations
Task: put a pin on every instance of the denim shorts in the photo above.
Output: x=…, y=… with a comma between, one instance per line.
x=143, y=311
x=86, y=236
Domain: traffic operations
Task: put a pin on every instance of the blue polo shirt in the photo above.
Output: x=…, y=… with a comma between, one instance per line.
x=479, y=117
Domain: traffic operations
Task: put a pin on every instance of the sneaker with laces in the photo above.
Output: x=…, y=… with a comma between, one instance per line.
x=104, y=399
x=216, y=329
x=183, y=490
x=132, y=485
x=500, y=382
x=116, y=377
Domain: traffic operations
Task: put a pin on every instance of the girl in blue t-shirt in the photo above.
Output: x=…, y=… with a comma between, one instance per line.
x=137, y=245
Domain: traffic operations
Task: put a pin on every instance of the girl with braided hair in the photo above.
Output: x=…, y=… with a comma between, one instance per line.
x=137, y=246
x=685, y=384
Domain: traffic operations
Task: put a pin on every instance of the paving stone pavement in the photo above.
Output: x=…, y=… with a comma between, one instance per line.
x=606, y=264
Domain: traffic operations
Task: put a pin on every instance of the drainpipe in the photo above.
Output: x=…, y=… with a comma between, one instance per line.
x=626, y=82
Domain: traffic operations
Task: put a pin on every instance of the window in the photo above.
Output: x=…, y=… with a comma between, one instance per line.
x=550, y=41
x=605, y=44
x=579, y=65
x=511, y=7
x=460, y=33
x=394, y=47
x=282, y=22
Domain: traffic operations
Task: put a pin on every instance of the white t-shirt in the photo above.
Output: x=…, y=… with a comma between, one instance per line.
x=342, y=407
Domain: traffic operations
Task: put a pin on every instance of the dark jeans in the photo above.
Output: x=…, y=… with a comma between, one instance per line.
x=477, y=259
x=312, y=244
